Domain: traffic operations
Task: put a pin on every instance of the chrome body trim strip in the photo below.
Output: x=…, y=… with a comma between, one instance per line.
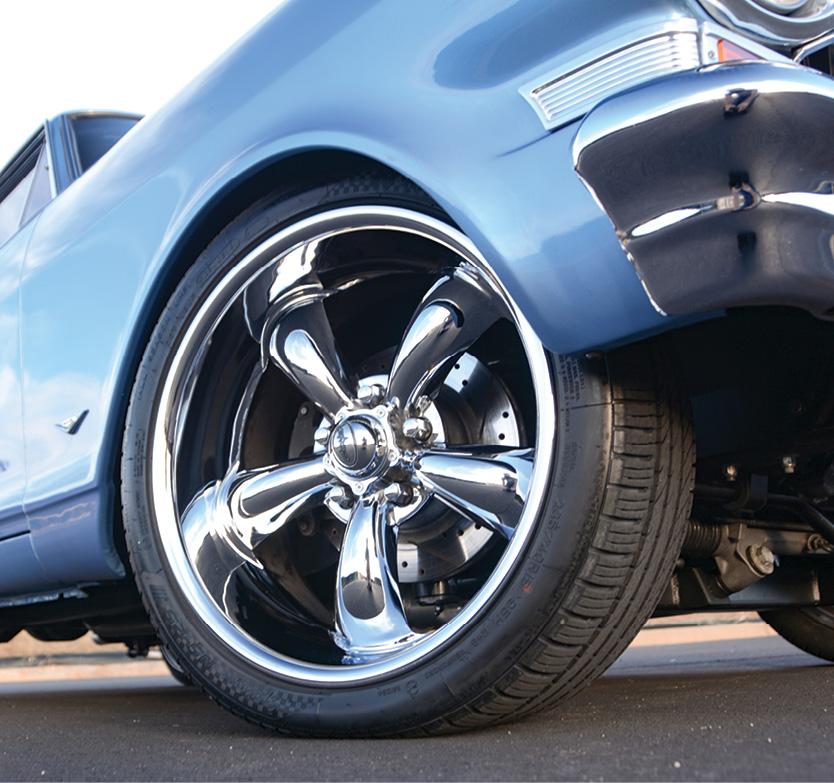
x=572, y=89
x=576, y=87
x=813, y=46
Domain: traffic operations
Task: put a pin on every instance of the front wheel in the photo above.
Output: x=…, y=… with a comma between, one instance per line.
x=360, y=496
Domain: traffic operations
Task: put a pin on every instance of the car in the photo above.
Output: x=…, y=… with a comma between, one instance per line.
x=364, y=376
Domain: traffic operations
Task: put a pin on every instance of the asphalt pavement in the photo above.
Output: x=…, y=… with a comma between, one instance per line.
x=715, y=703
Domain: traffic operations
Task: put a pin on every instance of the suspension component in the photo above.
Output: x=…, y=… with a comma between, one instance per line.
x=741, y=553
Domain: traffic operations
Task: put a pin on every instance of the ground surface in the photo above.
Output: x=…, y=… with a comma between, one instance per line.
x=726, y=702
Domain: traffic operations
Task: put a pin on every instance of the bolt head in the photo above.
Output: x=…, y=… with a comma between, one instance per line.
x=307, y=526
x=321, y=435
x=762, y=559
x=789, y=463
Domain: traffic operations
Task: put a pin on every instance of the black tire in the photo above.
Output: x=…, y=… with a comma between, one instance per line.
x=809, y=628
x=177, y=672
x=548, y=591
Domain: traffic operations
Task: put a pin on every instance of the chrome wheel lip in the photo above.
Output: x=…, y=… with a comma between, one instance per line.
x=166, y=433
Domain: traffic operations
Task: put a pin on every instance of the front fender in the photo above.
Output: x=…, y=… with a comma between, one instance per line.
x=720, y=184
x=431, y=92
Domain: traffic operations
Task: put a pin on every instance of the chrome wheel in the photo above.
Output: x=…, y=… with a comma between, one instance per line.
x=351, y=446
x=347, y=503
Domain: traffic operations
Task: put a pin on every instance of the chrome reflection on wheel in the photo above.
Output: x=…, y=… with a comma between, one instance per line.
x=352, y=445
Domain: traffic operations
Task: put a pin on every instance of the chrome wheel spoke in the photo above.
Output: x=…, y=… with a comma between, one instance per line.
x=226, y=521
x=370, y=620
x=451, y=317
x=213, y=548
x=264, y=500
x=484, y=484
x=303, y=346
x=295, y=276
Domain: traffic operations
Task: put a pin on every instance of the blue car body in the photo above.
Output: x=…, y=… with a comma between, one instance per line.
x=445, y=95
x=445, y=111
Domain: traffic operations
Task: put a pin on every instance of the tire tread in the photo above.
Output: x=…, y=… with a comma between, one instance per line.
x=647, y=502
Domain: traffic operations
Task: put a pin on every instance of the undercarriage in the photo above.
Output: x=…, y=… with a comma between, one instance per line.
x=761, y=534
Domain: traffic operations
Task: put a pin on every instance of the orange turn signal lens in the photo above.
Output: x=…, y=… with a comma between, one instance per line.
x=727, y=52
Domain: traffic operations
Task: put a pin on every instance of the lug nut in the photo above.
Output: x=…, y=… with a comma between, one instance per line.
x=341, y=497
x=398, y=494
x=370, y=394
x=417, y=428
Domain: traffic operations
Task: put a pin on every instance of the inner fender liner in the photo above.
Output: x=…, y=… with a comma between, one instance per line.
x=720, y=185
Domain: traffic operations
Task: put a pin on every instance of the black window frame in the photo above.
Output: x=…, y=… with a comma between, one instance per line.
x=23, y=162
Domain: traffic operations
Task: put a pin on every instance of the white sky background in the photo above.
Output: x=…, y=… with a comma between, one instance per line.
x=60, y=55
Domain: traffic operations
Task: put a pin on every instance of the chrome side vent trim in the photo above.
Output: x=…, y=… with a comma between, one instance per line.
x=564, y=96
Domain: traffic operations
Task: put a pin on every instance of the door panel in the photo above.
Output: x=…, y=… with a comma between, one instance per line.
x=12, y=461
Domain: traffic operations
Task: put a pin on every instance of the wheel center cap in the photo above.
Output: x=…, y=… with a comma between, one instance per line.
x=354, y=446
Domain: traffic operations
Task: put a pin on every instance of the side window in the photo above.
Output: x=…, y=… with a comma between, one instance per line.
x=96, y=134
x=25, y=185
x=41, y=192
x=12, y=206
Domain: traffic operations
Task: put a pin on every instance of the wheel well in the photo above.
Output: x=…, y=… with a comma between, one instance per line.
x=297, y=172
x=293, y=173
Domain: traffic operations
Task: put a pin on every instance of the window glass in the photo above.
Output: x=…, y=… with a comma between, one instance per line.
x=41, y=192
x=96, y=135
x=11, y=208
